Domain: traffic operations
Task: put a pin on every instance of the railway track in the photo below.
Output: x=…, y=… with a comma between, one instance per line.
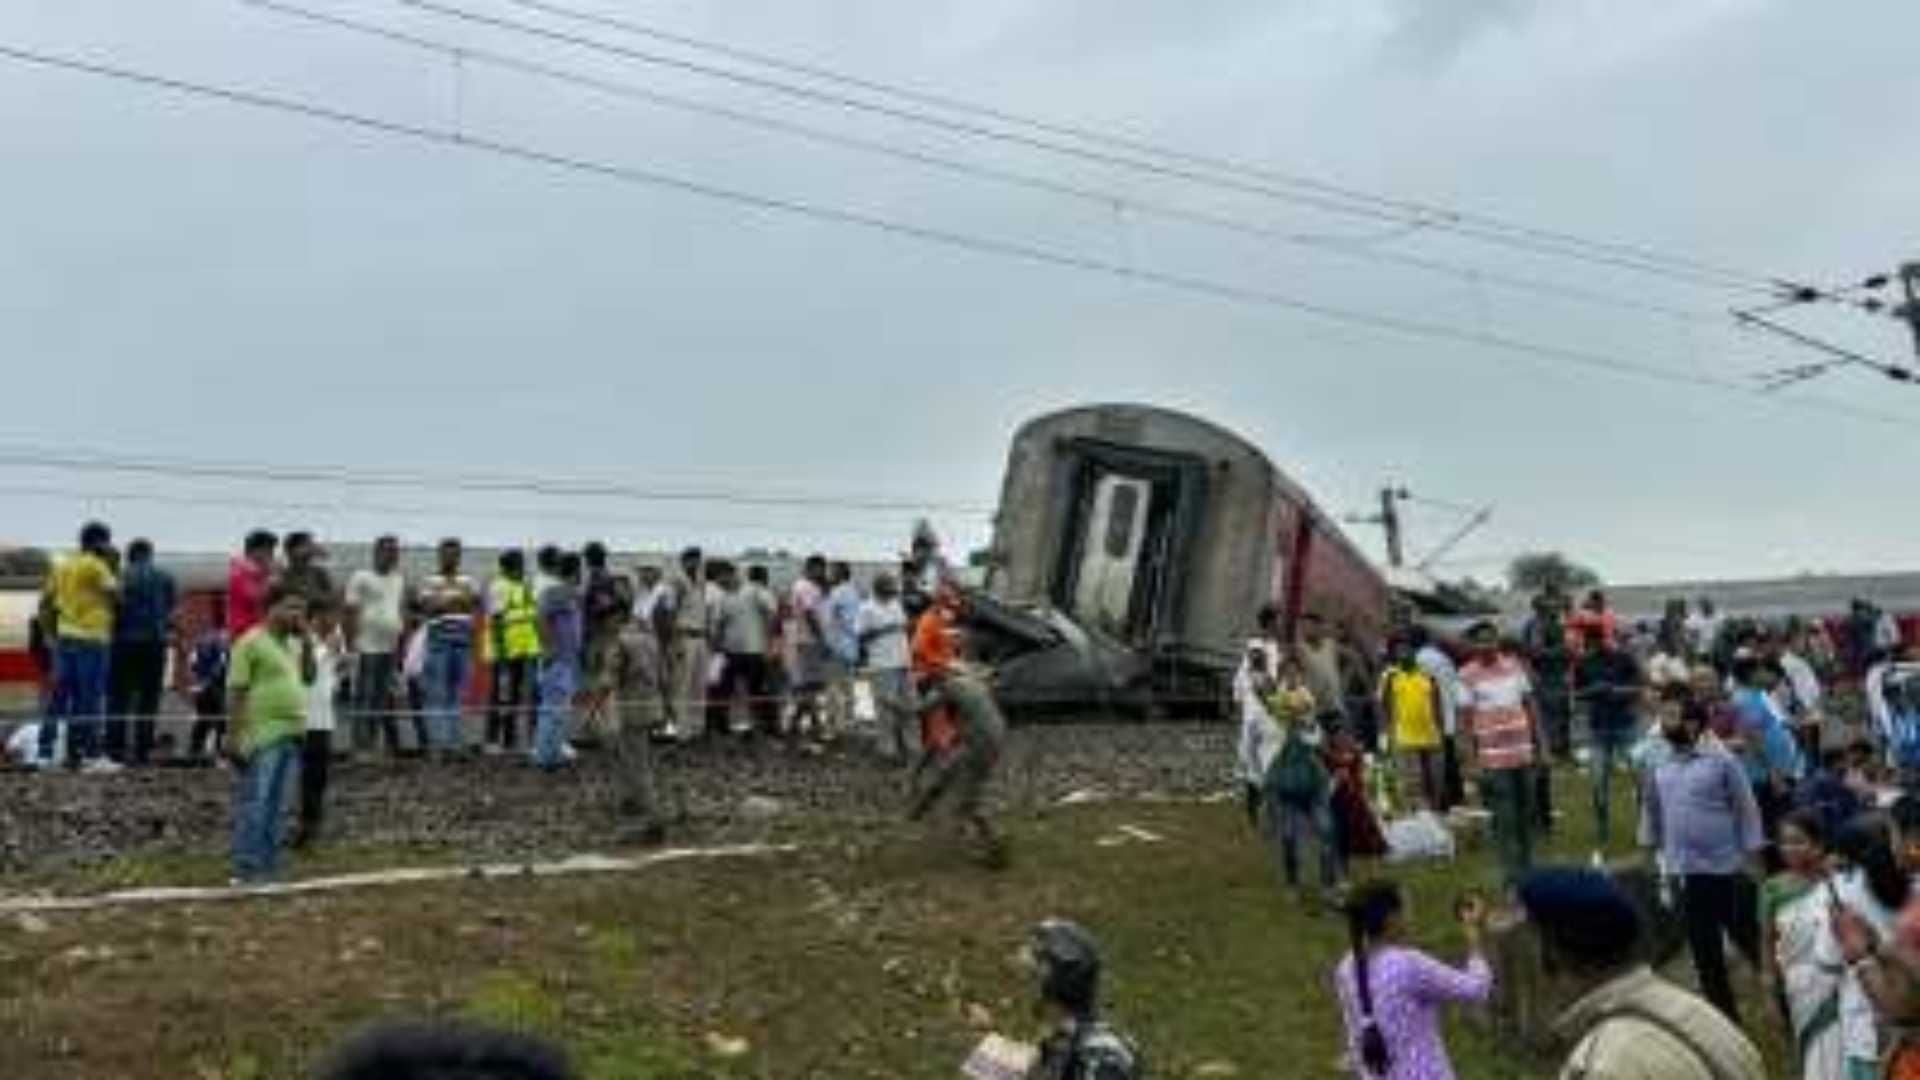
x=499, y=808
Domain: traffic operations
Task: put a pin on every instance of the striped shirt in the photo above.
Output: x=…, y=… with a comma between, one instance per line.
x=1493, y=697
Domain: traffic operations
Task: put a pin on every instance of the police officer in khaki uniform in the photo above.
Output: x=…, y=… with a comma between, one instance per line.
x=683, y=623
x=638, y=674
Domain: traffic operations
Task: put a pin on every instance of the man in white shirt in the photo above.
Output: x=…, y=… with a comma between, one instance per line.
x=449, y=603
x=1259, y=669
x=328, y=646
x=840, y=618
x=1803, y=694
x=806, y=604
x=743, y=630
x=1440, y=667
x=881, y=627
x=376, y=607
x=1703, y=629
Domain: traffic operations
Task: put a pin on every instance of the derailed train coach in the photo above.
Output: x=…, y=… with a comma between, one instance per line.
x=1133, y=550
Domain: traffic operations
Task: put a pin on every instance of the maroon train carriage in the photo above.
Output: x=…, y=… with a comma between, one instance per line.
x=1149, y=540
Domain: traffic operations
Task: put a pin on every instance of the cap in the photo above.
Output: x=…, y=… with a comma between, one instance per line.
x=1581, y=910
x=1069, y=964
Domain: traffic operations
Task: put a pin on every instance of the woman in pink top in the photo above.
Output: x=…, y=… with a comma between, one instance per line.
x=1390, y=995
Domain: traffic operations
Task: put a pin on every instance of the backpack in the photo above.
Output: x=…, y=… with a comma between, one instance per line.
x=1298, y=775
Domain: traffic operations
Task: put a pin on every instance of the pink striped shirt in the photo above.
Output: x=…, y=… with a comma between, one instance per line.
x=1493, y=697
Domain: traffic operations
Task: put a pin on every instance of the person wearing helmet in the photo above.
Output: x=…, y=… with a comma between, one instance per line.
x=1080, y=1045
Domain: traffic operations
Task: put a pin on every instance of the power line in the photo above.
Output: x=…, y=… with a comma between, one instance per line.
x=1358, y=248
x=1427, y=214
x=1443, y=221
x=280, y=473
x=355, y=508
x=1353, y=248
x=1837, y=356
x=1519, y=348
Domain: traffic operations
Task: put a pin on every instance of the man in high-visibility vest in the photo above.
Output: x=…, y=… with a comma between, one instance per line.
x=513, y=648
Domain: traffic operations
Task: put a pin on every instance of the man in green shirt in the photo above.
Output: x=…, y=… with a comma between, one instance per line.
x=268, y=673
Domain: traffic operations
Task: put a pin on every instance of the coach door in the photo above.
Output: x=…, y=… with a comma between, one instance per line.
x=1112, y=550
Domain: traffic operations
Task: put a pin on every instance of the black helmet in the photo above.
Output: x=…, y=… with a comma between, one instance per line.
x=1069, y=963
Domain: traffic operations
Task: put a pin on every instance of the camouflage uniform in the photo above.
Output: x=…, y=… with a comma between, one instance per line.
x=1087, y=1050
x=639, y=684
x=962, y=773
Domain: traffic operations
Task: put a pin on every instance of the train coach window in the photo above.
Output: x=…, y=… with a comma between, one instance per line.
x=1120, y=514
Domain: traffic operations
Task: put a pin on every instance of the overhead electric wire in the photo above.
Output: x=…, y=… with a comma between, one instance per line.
x=1107, y=158
x=87, y=460
x=1839, y=356
x=1429, y=213
x=1523, y=349
x=1353, y=248
x=358, y=507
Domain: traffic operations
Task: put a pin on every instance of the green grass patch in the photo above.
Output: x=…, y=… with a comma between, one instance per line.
x=515, y=1000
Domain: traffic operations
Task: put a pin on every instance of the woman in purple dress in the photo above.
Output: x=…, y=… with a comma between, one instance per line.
x=1390, y=995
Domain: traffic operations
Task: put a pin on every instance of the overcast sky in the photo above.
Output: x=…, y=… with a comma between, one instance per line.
x=185, y=279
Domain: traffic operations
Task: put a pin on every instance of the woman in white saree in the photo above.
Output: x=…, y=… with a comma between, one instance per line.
x=1796, y=912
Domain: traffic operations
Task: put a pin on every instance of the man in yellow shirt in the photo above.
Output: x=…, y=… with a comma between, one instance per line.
x=1410, y=704
x=81, y=595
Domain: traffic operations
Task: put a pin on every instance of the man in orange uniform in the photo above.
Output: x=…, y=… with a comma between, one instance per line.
x=936, y=646
x=962, y=730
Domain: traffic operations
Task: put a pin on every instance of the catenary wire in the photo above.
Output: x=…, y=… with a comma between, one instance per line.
x=88, y=460
x=1363, y=248
x=1516, y=348
x=356, y=507
x=1427, y=214
x=1104, y=158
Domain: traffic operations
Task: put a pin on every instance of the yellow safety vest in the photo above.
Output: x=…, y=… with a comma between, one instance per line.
x=517, y=623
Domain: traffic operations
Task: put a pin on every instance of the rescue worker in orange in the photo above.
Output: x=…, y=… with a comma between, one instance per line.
x=936, y=648
x=962, y=730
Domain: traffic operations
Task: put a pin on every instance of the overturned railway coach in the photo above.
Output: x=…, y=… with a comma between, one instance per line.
x=1161, y=536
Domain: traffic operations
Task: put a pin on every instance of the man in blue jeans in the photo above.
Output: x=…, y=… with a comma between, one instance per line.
x=268, y=674
x=562, y=634
x=449, y=602
x=1608, y=682
x=79, y=604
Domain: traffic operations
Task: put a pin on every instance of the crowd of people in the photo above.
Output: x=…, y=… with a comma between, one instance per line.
x=298, y=670
x=1770, y=767
x=1772, y=776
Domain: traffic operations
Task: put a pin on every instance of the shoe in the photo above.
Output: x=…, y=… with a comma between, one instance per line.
x=101, y=767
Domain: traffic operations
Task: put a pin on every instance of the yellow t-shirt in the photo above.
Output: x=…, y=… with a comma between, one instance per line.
x=1409, y=697
x=82, y=590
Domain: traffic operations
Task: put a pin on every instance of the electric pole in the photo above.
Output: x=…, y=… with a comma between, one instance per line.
x=1910, y=311
x=1390, y=497
x=1389, y=521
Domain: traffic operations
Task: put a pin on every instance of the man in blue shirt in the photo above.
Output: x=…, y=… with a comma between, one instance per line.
x=142, y=634
x=1767, y=749
x=841, y=625
x=1701, y=816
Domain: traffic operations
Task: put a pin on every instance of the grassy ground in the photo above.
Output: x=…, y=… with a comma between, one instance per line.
x=875, y=955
